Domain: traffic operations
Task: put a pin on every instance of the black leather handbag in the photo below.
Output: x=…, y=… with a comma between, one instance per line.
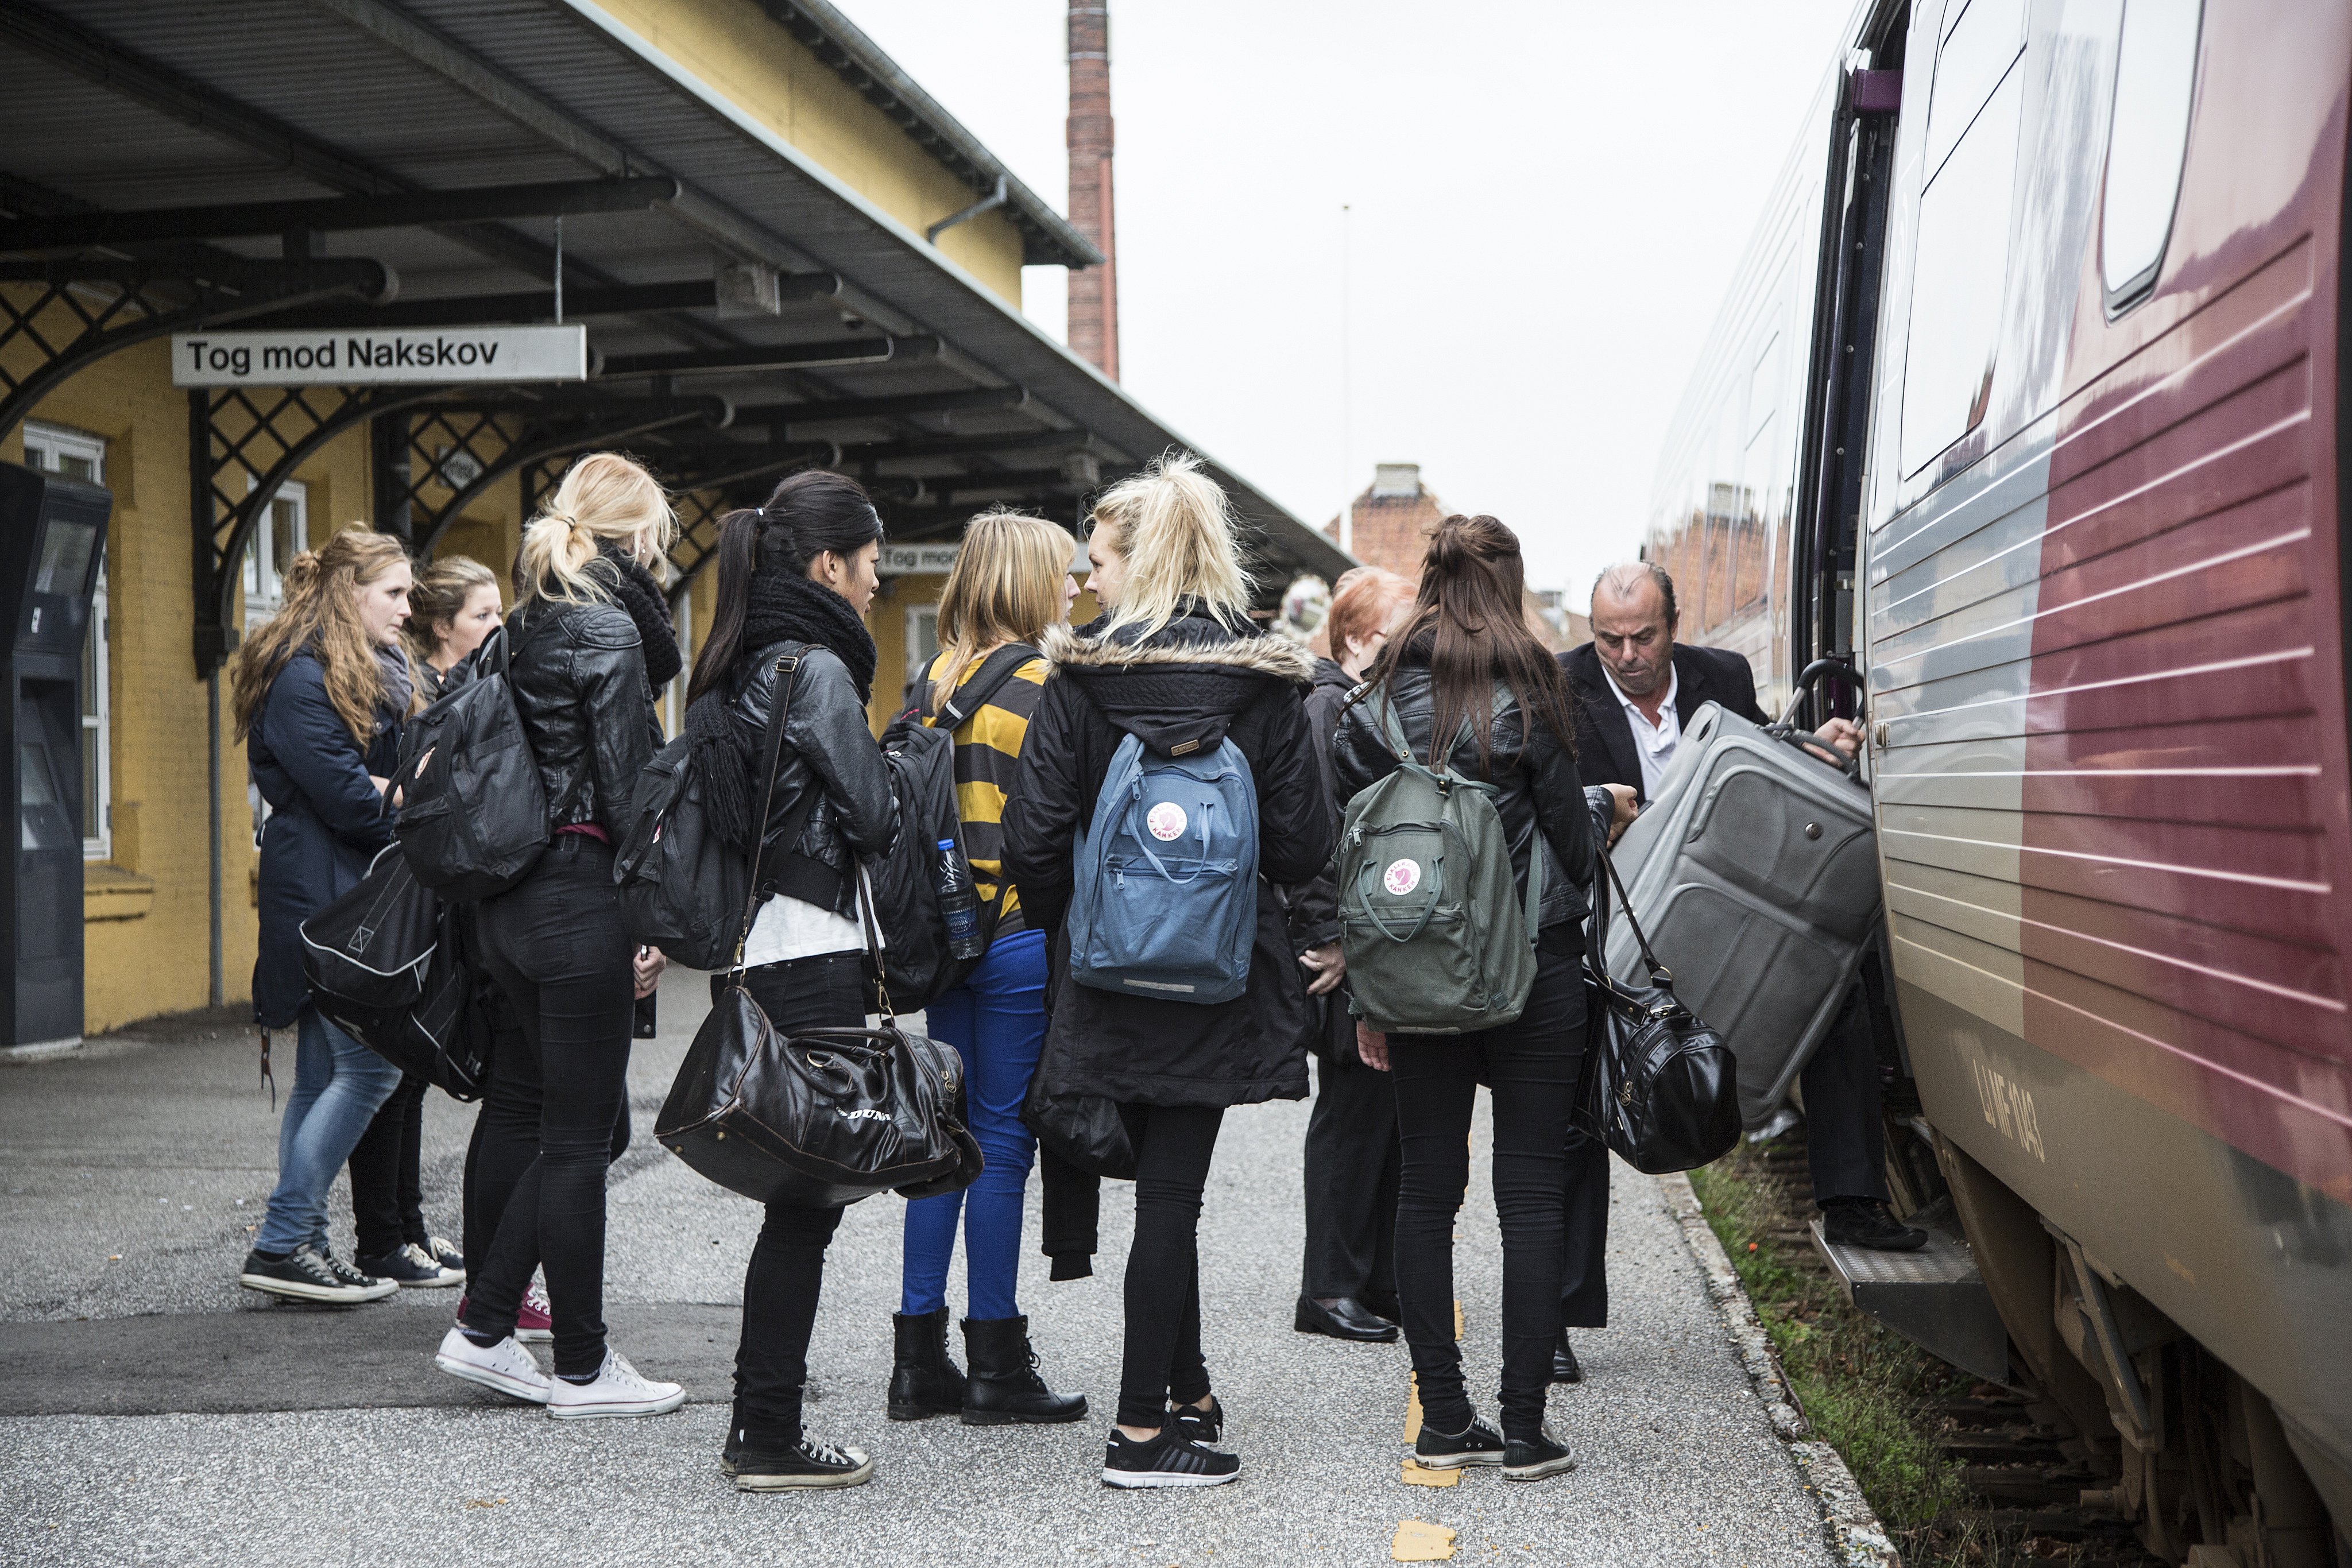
x=390, y=962
x=824, y=1116
x=1658, y=1086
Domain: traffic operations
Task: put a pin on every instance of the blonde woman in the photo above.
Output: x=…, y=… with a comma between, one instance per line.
x=590, y=641
x=1177, y=663
x=452, y=610
x=1010, y=582
x=319, y=693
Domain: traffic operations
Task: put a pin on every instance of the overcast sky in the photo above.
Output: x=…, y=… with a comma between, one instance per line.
x=1547, y=201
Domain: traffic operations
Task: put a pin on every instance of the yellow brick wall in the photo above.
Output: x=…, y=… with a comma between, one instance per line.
x=770, y=75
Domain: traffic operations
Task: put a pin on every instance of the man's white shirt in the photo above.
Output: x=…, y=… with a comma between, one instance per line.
x=1654, y=743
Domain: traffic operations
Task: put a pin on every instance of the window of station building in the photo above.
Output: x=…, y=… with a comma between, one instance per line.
x=77, y=454
x=674, y=695
x=283, y=533
x=922, y=638
x=2147, y=138
x=1960, y=279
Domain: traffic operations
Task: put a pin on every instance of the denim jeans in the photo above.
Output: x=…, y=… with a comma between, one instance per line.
x=996, y=1021
x=339, y=1085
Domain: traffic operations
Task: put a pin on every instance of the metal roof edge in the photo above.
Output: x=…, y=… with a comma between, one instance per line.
x=1045, y=229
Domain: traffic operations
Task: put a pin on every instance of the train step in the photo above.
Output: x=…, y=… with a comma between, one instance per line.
x=1933, y=1297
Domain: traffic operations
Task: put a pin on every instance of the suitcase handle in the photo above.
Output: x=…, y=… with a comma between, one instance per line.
x=1786, y=728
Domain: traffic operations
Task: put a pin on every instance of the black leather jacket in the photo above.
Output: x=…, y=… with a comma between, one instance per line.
x=1536, y=780
x=578, y=676
x=827, y=746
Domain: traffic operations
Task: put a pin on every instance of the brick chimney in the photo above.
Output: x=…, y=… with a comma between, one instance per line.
x=1093, y=290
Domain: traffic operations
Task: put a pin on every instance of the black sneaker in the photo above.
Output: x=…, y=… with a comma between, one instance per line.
x=811, y=1467
x=443, y=1251
x=352, y=1276
x=1201, y=1426
x=306, y=1274
x=1865, y=1222
x=1476, y=1444
x=1533, y=1458
x=412, y=1268
x=1167, y=1459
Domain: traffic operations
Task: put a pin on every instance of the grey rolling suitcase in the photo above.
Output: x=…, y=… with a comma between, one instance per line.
x=1755, y=871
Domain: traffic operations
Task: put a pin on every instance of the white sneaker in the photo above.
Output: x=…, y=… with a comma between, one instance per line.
x=618, y=1390
x=505, y=1367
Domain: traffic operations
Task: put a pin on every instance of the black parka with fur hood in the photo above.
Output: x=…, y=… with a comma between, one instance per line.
x=1193, y=680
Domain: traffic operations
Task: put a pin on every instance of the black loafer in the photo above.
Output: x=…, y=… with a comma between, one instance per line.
x=1865, y=1222
x=1564, y=1368
x=1346, y=1318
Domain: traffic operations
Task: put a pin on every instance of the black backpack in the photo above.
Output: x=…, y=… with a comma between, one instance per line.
x=683, y=889
x=473, y=813
x=917, y=966
x=388, y=963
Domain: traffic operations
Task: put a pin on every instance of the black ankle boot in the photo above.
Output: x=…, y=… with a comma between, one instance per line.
x=923, y=1381
x=1004, y=1387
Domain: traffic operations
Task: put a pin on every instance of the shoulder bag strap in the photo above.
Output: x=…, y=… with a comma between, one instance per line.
x=1659, y=976
x=872, y=928
x=972, y=695
x=788, y=669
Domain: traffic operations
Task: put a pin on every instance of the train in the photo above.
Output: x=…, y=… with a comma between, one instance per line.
x=2027, y=406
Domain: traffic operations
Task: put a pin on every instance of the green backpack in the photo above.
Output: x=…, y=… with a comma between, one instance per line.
x=1436, y=939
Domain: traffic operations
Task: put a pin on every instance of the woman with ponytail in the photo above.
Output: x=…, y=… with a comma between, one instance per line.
x=796, y=577
x=318, y=694
x=589, y=642
x=1444, y=673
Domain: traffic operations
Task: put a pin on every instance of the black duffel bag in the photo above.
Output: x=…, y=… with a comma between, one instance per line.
x=389, y=963
x=1657, y=1085
x=824, y=1116
x=473, y=813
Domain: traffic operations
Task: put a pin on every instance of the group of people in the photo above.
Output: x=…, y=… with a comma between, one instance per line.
x=1176, y=659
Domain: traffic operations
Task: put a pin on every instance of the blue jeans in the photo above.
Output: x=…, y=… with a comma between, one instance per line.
x=338, y=1086
x=996, y=1021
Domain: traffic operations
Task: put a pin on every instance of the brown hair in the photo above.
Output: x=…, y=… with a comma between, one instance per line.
x=320, y=616
x=1468, y=621
x=439, y=594
x=1368, y=596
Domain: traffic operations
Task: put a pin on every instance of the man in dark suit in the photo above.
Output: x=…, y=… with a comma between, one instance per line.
x=1636, y=691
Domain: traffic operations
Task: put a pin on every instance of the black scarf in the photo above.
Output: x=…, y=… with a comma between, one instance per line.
x=784, y=608
x=634, y=587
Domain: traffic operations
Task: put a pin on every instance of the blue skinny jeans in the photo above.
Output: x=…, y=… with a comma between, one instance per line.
x=338, y=1086
x=996, y=1021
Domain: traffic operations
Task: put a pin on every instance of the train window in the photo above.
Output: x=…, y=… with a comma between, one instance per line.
x=1978, y=48
x=1958, y=279
x=2147, y=137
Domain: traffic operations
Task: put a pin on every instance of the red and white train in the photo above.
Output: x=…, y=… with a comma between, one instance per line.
x=2029, y=401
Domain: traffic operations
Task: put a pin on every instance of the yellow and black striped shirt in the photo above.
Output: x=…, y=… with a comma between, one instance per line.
x=987, y=755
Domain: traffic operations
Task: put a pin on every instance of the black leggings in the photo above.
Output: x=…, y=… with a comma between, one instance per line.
x=506, y=1134
x=787, y=1268
x=387, y=1174
x=555, y=946
x=1531, y=1067
x=1163, y=1364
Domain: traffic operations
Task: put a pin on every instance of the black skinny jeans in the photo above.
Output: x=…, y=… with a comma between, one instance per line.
x=555, y=946
x=787, y=1268
x=387, y=1174
x=1163, y=1364
x=1531, y=1067
x=506, y=1134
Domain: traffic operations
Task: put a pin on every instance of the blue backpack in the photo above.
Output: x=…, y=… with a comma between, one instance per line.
x=1166, y=898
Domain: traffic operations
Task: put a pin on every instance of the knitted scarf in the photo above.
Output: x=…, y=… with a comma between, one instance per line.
x=784, y=608
x=636, y=590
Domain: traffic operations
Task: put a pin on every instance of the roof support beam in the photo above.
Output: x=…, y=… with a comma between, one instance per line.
x=539, y=305
x=420, y=209
x=775, y=357
x=867, y=408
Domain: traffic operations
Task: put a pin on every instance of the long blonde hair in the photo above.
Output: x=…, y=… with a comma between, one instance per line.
x=1175, y=529
x=1005, y=587
x=603, y=495
x=320, y=613
x=439, y=594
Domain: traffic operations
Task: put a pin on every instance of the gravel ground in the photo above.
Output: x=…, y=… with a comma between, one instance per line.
x=1679, y=1464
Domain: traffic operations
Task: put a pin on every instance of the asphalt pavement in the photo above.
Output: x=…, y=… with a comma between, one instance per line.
x=153, y=1411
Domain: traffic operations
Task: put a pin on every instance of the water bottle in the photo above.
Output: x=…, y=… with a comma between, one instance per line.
x=959, y=903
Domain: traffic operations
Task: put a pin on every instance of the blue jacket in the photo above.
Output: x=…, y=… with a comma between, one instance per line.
x=326, y=822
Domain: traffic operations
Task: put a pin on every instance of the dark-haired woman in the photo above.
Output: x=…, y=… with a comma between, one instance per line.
x=794, y=578
x=1466, y=634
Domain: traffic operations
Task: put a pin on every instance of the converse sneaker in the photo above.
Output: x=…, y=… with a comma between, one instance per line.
x=811, y=1467
x=358, y=1277
x=412, y=1268
x=535, y=1322
x=1476, y=1444
x=505, y=1367
x=1533, y=1458
x=1167, y=1459
x=617, y=1389
x=305, y=1275
x=443, y=1251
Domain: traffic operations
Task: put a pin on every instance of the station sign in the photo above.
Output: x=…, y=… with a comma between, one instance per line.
x=916, y=560
x=370, y=358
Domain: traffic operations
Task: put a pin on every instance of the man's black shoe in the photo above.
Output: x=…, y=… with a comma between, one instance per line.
x=1201, y=1426
x=1346, y=1318
x=1867, y=1222
x=1476, y=1444
x=809, y=1466
x=1168, y=1458
x=1533, y=1458
x=1564, y=1368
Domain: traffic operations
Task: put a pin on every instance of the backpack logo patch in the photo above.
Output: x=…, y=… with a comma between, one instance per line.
x=1401, y=877
x=1165, y=820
